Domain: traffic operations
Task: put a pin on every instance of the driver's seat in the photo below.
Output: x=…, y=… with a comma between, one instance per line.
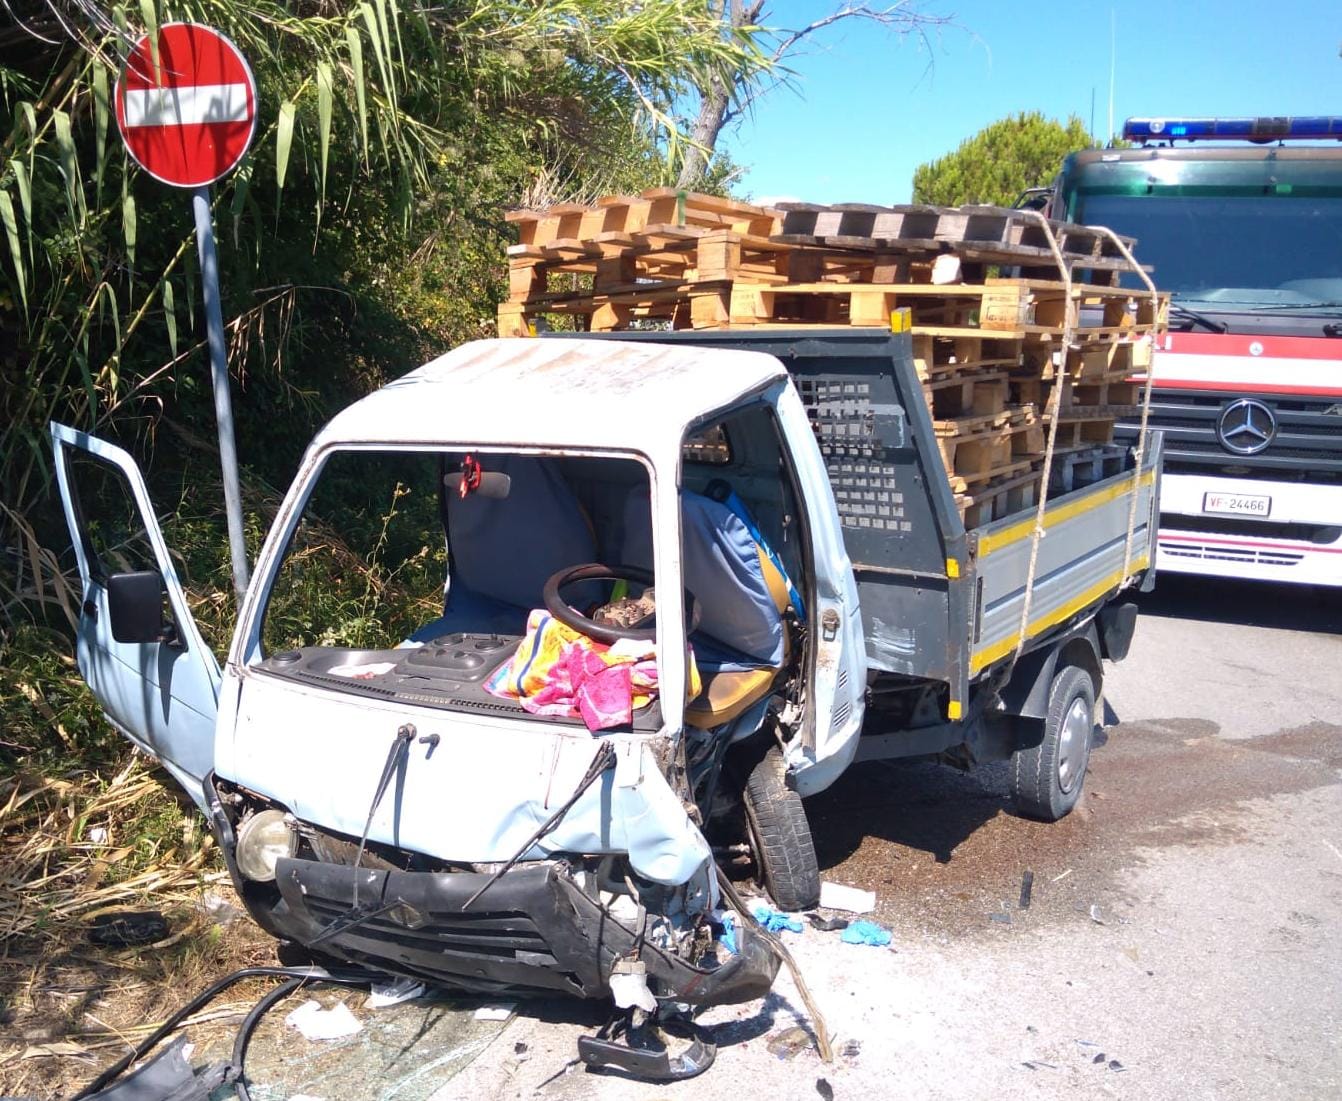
x=741, y=645
x=502, y=551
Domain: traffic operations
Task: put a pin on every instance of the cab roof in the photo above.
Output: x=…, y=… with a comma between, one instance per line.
x=576, y=393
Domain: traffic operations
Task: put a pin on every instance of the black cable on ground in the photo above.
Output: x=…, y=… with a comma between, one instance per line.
x=297, y=975
x=249, y=1023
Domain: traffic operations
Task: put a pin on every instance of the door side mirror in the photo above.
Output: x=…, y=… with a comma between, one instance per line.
x=135, y=607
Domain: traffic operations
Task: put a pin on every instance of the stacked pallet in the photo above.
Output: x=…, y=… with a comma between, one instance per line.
x=991, y=352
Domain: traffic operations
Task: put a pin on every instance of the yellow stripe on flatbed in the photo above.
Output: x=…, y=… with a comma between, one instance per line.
x=989, y=654
x=996, y=540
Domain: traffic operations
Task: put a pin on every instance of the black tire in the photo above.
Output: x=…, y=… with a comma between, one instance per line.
x=780, y=835
x=1046, y=779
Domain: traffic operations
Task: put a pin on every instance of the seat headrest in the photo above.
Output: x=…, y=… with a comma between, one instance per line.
x=507, y=549
x=742, y=606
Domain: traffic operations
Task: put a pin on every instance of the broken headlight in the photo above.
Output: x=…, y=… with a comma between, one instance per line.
x=263, y=840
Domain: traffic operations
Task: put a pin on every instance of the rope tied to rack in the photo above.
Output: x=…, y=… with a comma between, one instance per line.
x=1054, y=406
x=1146, y=396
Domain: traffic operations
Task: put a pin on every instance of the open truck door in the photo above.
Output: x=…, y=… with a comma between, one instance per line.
x=137, y=645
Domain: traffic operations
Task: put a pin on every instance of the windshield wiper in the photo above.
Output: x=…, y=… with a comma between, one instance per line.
x=1298, y=306
x=1181, y=311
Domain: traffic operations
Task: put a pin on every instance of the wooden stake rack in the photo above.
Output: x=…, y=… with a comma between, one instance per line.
x=989, y=350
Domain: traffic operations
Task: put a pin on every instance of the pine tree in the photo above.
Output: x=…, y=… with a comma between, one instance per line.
x=999, y=162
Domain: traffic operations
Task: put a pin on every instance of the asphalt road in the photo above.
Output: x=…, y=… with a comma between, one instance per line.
x=1182, y=938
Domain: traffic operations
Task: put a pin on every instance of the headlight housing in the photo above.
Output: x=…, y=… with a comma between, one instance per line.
x=263, y=840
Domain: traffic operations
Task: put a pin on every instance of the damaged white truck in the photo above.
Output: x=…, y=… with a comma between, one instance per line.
x=655, y=617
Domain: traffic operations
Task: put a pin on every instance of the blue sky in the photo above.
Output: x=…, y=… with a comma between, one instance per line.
x=866, y=109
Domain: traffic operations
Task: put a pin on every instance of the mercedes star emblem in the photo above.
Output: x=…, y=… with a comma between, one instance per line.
x=1246, y=426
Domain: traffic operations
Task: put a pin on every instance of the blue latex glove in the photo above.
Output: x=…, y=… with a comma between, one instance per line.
x=773, y=920
x=866, y=932
x=728, y=937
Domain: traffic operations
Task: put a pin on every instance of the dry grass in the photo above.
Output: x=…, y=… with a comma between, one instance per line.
x=72, y=847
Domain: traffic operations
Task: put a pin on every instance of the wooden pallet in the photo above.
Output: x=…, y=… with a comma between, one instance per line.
x=977, y=447
x=1001, y=497
x=979, y=236
x=969, y=225
x=660, y=256
x=960, y=392
x=1086, y=361
x=658, y=206
x=679, y=305
x=1079, y=428
x=1015, y=307
x=1075, y=469
x=1117, y=390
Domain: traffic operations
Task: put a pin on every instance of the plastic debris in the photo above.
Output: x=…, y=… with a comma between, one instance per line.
x=789, y=1043
x=128, y=928
x=1096, y=916
x=382, y=995
x=1026, y=889
x=851, y=1049
x=1001, y=917
x=629, y=987
x=316, y=1023
x=835, y=896
x=866, y=932
x=775, y=920
x=1035, y=1064
x=216, y=908
x=728, y=936
x=362, y=672
x=495, y=1011
x=827, y=924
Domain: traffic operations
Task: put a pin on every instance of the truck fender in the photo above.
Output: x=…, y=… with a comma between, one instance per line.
x=1026, y=693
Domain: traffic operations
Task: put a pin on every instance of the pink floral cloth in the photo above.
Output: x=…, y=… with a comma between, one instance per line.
x=559, y=671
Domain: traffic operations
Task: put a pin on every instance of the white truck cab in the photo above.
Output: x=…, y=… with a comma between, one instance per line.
x=635, y=640
x=392, y=802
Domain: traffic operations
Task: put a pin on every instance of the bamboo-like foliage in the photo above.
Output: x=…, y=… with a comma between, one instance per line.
x=391, y=132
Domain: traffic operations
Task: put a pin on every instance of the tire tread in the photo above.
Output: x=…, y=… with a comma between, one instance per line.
x=781, y=835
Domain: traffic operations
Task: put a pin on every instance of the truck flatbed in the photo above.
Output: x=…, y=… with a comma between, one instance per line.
x=940, y=603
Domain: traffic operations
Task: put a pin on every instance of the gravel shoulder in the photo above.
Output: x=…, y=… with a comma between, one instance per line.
x=1183, y=922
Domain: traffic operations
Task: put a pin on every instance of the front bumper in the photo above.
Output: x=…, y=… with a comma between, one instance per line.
x=534, y=931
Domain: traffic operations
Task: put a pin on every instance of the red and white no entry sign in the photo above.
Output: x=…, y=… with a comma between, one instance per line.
x=188, y=116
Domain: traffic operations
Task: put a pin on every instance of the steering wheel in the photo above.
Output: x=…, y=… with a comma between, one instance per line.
x=642, y=631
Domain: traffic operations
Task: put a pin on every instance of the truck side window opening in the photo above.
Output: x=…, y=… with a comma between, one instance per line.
x=755, y=473
x=115, y=540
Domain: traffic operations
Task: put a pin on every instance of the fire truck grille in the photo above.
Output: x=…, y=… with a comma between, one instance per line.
x=1307, y=443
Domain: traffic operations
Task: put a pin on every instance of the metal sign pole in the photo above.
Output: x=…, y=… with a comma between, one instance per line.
x=223, y=404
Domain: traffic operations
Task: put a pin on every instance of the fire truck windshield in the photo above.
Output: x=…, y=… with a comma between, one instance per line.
x=1233, y=250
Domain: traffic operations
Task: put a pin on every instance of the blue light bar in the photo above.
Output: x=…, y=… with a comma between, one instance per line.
x=1305, y=128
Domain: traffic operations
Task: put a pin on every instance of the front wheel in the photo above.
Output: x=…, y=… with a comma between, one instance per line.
x=1046, y=779
x=780, y=835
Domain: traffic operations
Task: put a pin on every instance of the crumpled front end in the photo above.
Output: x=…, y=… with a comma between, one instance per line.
x=559, y=925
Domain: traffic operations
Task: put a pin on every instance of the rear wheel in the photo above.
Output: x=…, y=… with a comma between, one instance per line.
x=780, y=835
x=1046, y=779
